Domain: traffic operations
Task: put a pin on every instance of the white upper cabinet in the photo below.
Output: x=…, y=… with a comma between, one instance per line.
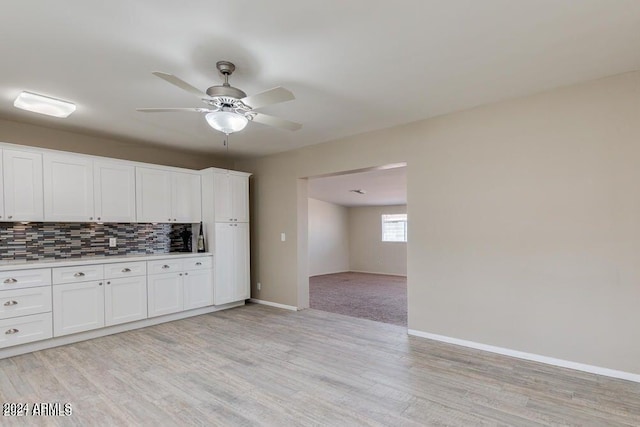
x=68, y=188
x=231, y=195
x=114, y=192
x=167, y=196
x=153, y=195
x=239, y=197
x=185, y=197
x=23, y=187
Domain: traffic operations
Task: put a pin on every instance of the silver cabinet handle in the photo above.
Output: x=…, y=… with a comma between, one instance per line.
x=79, y=274
x=10, y=280
x=180, y=274
x=98, y=218
x=174, y=219
x=164, y=267
x=10, y=216
x=12, y=331
x=100, y=284
x=90, y=217
x=10, y=303
x=186, y=274
x=198, y=263
x=126, y=270
x=108, y=283
x=169, y=219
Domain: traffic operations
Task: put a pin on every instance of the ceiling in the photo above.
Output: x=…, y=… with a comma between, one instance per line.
x=382, y=187
x=354, y=66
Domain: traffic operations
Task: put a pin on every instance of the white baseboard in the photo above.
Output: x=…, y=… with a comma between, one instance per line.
x=377, y=272
x=273, y=304
x=530, y=356
x=110, y=330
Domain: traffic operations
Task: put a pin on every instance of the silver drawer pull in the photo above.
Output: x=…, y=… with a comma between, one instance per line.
x=165, y=266
x=126, y=270
x=79, y=274
x=10, y=303
x=11, y=280
x=12, y=331
x=198, y=263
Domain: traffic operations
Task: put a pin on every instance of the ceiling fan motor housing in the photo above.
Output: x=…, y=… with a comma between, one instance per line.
x=227, y=91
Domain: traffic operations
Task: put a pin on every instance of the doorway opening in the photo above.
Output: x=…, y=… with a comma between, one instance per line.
x=357, y=243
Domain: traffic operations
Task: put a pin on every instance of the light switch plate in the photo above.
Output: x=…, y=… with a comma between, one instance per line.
x=113, y=242
x=283, y=237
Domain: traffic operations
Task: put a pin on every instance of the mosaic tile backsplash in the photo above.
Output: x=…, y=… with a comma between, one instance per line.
x=38, y=241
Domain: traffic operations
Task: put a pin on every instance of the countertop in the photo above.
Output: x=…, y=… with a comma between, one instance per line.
x=98, y=259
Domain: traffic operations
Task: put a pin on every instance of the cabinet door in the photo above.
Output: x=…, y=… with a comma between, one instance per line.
x=77, y=307
x=186, y=199
x=165, y=294
x=239, y=197
x=241, y=261
x=125, y=300
x=224, y=269
x=114, y=192
x=68, y=188
x=198, y=289
x=153, y=195
x=23, y=187
x=222, y=197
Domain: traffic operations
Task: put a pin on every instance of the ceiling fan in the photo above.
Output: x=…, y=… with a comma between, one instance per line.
x=230, y=109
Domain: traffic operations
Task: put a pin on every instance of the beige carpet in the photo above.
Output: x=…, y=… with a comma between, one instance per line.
x=370, y=296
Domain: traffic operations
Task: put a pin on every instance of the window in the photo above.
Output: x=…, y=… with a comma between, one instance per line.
x=394, y=228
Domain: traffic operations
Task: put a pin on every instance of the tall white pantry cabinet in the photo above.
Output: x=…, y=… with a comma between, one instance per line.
x=225, y=215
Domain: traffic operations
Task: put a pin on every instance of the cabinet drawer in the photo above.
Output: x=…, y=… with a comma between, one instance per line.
x=164, y=266
x=21, y=330
x=22, y=302
x=199, y=263
x=19, y=279
x=81, y=273
x=125, y=269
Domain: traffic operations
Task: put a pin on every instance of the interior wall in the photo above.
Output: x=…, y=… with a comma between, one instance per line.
x=367, y=252
x=55, y=139
x=525, y=220
x=328, y=238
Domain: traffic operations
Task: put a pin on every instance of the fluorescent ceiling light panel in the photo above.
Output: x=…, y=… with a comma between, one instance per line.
x=44, y=105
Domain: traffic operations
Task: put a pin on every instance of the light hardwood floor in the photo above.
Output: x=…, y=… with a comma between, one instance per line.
x=257, y=365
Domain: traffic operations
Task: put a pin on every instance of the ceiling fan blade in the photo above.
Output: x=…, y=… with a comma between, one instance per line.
x=181, y=84
x=173, y=110
x=276, y=122
x=268, y=97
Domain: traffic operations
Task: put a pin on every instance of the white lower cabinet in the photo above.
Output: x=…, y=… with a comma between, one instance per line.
x=125, y=300
x=25, y=329
x=25, y=306
x=93, y=304
x=165, y=294
x=37, y=304
x=198, y=289
x=23, y=302
x=77, y=307
x=231, y=262
x=189, y=285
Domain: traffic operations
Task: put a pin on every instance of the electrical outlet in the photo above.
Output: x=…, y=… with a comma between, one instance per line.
x=113, y=242
x=283, y=237
x=259, y=286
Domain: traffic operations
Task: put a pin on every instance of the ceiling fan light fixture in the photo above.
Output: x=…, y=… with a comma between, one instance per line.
x=44, y=105
x=226, y=121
